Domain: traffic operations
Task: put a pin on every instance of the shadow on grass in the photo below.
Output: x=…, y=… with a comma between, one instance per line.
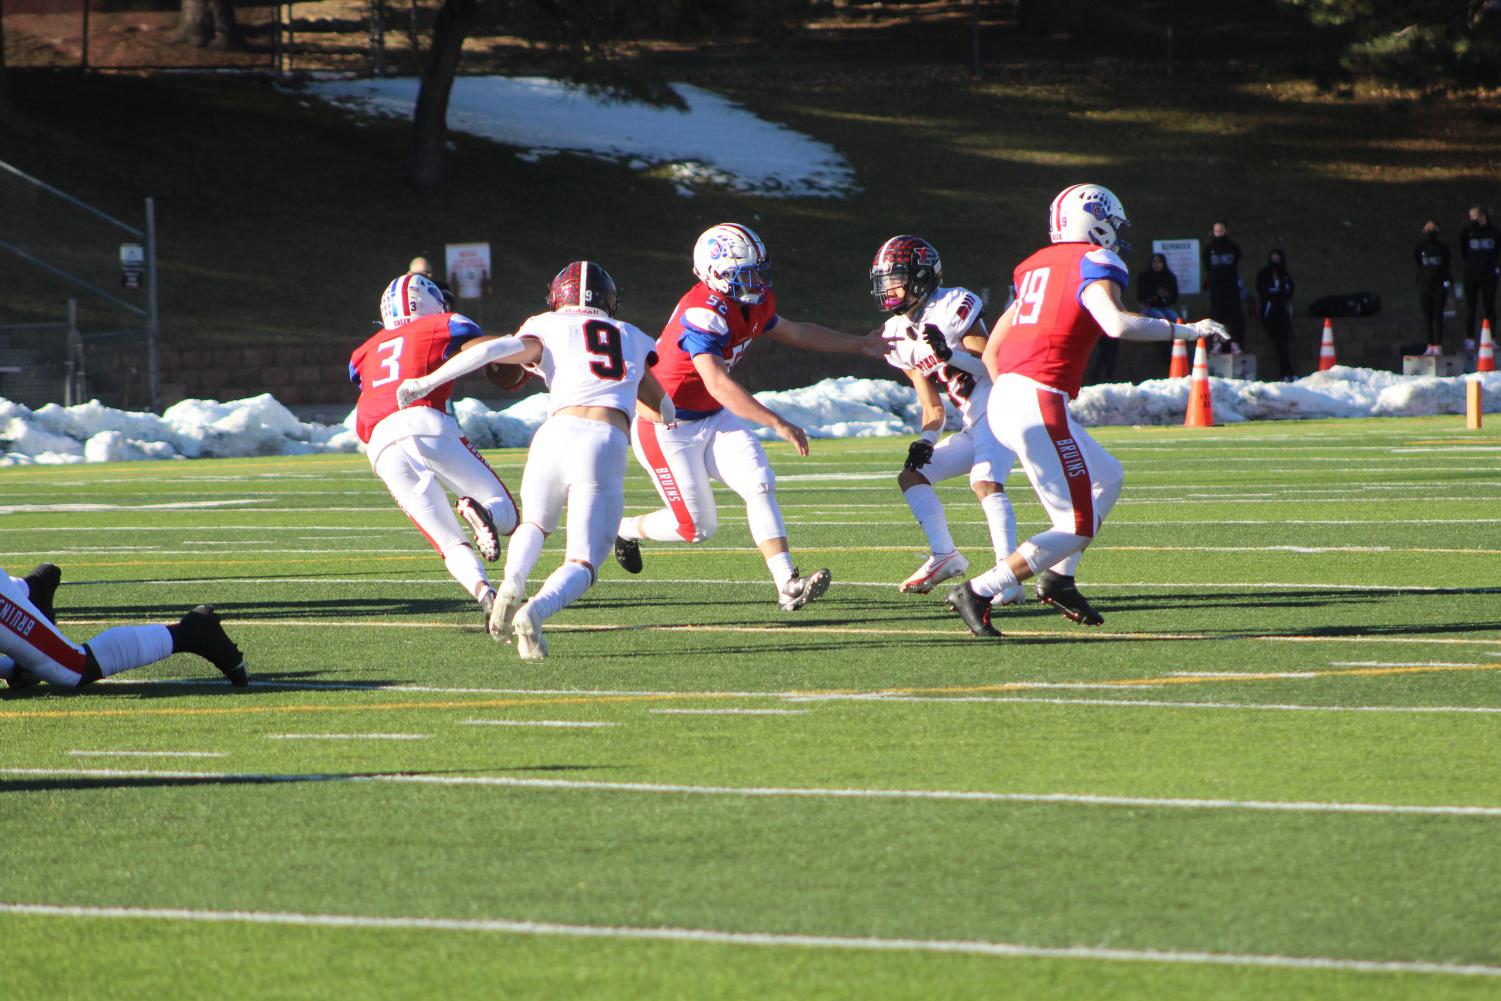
x=83, y=783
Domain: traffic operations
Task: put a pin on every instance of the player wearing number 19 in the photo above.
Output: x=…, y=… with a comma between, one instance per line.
x=595, y=367
x=418, y=451
x=1068, y=295
x=935, y=335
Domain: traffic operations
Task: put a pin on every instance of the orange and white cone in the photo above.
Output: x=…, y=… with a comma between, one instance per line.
x=1200, y=409
x=1326, y=347
x=1485, y=360
x=1178, y=367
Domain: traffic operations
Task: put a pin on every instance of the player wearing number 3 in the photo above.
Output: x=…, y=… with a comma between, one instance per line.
x=1068, y=295
x=712, y=326
x=935, y=335
x=418, y=451
x=595, y=367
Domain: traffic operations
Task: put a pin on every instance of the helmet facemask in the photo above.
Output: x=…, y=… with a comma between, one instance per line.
x=905, y=273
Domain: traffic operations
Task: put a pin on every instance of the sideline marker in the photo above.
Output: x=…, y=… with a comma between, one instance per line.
x=1326, y=347
x=1178, y=367
x=1485, y=358
x=1200, y=408
x=1472, y=404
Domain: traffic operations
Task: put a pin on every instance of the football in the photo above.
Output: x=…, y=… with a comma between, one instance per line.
x=506, y=377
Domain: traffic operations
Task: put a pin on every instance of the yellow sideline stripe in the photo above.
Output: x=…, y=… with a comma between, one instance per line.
x=586, y=699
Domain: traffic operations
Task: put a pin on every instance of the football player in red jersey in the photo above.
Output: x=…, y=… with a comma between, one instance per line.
x=1067, y=296
x=418, y=451
x=712, y=326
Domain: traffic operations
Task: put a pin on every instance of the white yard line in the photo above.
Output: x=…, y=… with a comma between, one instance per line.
x=729, y=712
x=149, y=754
x=346, y=736
x=708, y=936
x=1155, y=703
x=560, y=723
x=794, y=792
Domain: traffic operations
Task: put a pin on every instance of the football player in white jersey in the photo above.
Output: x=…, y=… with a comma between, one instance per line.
x=595, y=367
x=935, y=335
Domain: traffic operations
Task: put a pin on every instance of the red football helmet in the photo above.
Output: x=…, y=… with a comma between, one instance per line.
x=905, y=272
x=583, y=285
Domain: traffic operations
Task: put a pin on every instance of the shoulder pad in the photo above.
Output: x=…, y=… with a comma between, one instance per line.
x=705, y=319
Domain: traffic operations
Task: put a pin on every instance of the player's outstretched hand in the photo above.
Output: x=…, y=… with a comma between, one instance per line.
x=410, y=391
x=919, y=454
x=793, y=435
x=1211, y=330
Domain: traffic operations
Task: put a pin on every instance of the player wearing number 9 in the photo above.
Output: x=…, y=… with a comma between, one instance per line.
x=596, y=368
x=1068, y=296
x=732, y=305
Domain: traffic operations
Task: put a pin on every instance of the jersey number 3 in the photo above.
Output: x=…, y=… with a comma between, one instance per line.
x=1029, y=296
x=603, y=339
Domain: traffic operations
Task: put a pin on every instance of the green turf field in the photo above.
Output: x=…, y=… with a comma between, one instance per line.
x=1271, y=774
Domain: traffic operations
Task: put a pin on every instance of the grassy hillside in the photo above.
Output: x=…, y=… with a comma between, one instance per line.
x=280, y=220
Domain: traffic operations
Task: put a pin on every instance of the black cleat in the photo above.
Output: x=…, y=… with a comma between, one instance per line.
x=200, y=632
x=628, y=554
x=21, y=678
x=41, y=585
x=477, y=516
x=973, y=609
x=1059, y=591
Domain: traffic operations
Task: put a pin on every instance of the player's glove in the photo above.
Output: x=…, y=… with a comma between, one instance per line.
x=935, y=340
x=410, y=391
x=919, y=454
x=1211, y=330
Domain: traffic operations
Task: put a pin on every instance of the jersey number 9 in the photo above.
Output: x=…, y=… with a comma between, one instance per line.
x=603, y=339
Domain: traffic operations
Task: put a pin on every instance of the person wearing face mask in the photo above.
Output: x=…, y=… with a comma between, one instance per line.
x=1479, y=247
x=1432, y=258
x=1274, y=291
x=1222, y=279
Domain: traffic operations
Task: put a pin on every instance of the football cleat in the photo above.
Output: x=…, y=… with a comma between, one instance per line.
x=628, y=554
x=486, y=538
x=507, y=600
x=487, y=605
x=934, y=571
x=973, y=609
x=530, y=643
x=1059, y=591
x=41, y=587
x=22, y=678
x=799, y=590
x=200, y=632
x=1013, y=595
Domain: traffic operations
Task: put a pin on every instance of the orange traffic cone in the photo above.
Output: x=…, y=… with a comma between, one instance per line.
x=1485, y=360
x=1200, y=409
x=1326, y=347
x=1178, y=368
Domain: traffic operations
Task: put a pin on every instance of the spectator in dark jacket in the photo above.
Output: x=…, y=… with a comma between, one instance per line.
x=1157, y=290
x=1479, y=246
x=1432, y=257
x=1222, y=278
x=1274, y=290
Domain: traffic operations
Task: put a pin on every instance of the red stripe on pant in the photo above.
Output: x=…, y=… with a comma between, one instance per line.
x=667, y=484
x=1054, y=408
x=33, y=631
x=499, y=482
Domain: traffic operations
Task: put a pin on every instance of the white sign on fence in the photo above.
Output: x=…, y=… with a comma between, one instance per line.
x=1183, y=261
x=468, y=269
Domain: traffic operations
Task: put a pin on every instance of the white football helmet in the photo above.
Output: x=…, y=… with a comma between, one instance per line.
x=1088, y=213
x=409, y=297
x=731, y=260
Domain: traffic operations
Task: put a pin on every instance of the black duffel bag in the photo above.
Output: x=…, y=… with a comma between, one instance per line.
x=1346, y=304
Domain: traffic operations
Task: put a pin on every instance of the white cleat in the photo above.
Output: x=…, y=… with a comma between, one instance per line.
x=1013, y=595
x=530, y=643
x=934, y=571
x=800, y=590
x=486, y=535
x=507, y=600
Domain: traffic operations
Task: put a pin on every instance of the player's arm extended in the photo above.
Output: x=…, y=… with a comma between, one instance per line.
x=738, y=401
x=812, y=337
x=1103, y=300
x=933, y=415
x=514, y=350
x=998, y=335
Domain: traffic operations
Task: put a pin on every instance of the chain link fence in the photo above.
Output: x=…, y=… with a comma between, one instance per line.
x=79, y=317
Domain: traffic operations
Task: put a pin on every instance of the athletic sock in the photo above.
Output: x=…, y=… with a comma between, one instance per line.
x=928, y=510
x=780, y=566
x=562, y=587
x=464, y=566
x=124, y=647
x=522, y=554
x=992, y=582
x=1001, y=518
